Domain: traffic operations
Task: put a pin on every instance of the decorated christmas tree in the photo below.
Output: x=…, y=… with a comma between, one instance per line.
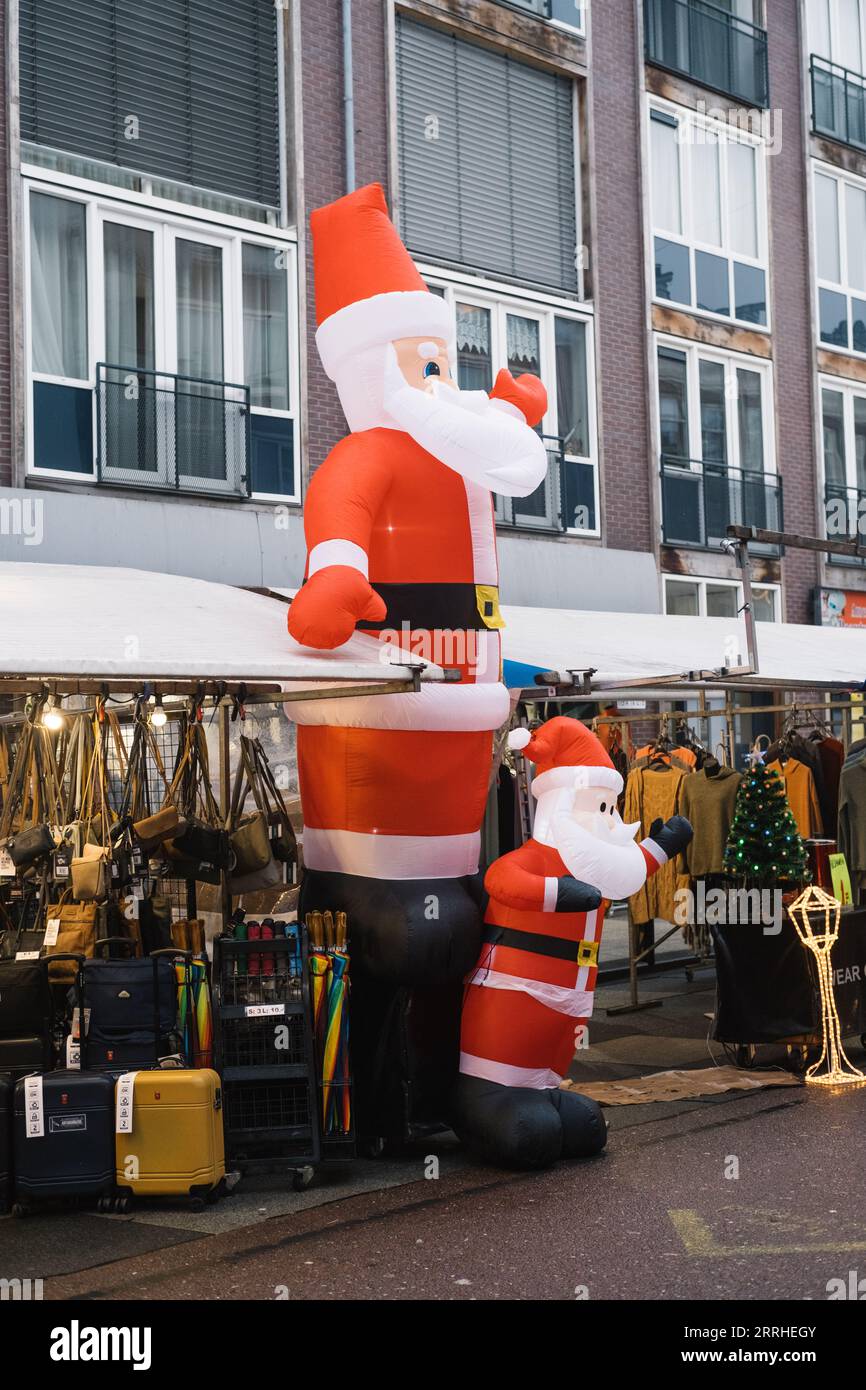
x=764, y=846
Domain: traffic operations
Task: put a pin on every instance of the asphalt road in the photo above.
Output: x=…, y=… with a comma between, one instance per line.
x=760, y=1196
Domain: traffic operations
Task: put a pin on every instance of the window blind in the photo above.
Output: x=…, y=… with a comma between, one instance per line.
x=487, y=159
x=185, y=90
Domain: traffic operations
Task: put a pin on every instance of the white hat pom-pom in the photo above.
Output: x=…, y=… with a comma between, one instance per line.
x=518, y=739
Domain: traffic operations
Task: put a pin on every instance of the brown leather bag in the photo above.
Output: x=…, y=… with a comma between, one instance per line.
x=70, y=927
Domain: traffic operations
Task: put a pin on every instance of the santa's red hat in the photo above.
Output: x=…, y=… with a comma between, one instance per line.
x=566, y=754
x=368, y=289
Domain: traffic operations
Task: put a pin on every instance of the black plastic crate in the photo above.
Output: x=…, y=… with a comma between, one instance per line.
x=270, y=1120
x=264, y=1042
x=252, y=973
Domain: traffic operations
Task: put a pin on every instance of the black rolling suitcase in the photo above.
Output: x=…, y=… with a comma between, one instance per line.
x=6, y=1090
x=132, y=1009
x=63, y=1134
x=26, y=1017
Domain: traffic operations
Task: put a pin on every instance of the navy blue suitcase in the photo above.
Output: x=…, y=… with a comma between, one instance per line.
x=131, y=1007
x=73, y=1156
x=63, y=1135
x=6, y=1089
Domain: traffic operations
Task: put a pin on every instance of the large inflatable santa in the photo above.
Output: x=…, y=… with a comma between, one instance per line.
x=402, y=545
x=535, y=977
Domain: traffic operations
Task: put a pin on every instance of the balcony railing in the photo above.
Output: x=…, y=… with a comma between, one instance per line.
x=838, y=102
x=565, y=501
x=845, y=519
x=701, y=500
x=170, y=433
x=709, y=45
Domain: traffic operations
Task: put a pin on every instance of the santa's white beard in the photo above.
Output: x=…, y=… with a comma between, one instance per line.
x=610, y=862
x=485, y=442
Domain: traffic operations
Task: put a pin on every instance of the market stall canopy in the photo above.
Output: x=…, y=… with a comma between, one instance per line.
x=641, y=647
x=73, y=623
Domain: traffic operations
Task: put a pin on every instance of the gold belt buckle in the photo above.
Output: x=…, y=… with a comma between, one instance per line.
x=487, y=599
x=587, y=953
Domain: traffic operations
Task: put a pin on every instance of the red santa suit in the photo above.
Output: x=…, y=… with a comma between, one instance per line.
x=534, y=981
x=401, y=544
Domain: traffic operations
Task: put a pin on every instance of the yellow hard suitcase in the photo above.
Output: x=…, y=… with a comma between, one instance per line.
x=169, y=1136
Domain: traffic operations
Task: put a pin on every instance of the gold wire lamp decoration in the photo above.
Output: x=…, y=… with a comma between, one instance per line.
x=816, y=919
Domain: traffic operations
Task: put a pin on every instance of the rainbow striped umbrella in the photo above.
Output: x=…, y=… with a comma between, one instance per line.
x=319, y=967
x=334, y=1038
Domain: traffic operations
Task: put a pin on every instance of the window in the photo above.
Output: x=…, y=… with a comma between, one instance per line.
x=843, y=422
x=182, y=91
x=149, y=334
x=720, y=598
x=840, y=250
x=487, y=160
x=715, y=42
x=568, y=13
x=708, y=216
x=716, y=443
x=836, y=32
x=554, y=343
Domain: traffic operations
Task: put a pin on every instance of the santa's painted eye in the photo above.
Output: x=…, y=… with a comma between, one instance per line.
x=432, y=369
x=604, y=806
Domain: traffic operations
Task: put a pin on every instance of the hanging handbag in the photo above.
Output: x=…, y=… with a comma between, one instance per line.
x=202, y=850
x=283, y=842
x=90, y=872
x=154, y=922
x=30, y=846
x=250, y=834
x=70, y=928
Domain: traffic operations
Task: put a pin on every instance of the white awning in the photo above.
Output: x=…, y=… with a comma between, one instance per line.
x=652, y=646
x=100, y=623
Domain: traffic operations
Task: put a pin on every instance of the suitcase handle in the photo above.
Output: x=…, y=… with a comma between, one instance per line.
x=114, y=941
x=79, y=990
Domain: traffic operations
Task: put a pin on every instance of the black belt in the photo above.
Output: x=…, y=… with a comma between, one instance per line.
x=428, y=607
x=559, y=947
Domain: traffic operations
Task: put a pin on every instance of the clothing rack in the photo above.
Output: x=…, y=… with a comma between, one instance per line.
x=637, y=953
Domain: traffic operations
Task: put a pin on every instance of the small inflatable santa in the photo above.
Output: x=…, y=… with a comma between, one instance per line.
x=534, y=980
x=402, y=545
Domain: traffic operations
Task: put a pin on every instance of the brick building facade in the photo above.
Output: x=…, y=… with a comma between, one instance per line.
x=682, y=334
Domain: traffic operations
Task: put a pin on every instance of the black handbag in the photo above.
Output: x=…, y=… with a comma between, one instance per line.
x=208, y=844
x=30, y=846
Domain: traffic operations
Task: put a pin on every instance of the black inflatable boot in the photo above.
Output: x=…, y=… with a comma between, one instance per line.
x=411, y=942
x=517, y=1127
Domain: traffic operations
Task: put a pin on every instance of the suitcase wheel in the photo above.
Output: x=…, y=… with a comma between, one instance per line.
x=123, y=1204
x=301, y=1178
x=197, y=1203
x=21, y=1209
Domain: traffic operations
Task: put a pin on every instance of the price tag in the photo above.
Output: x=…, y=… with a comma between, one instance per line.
x=34, y=1114
x=7, y=868
x=264, y=1010
x=73, y=1054
x=138, y=891
x=26, y=955
x=125, y=1096
x=75, y=1032
x=52, y=931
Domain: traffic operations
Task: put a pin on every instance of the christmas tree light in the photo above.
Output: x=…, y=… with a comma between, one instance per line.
x=764, y=846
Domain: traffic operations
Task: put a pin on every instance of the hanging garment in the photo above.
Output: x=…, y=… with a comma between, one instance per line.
x=831, y=756
x=708, y=802
x=649, y=796
x=852, y=813
x=806, y=751
x=799, y=784
x=677, y=756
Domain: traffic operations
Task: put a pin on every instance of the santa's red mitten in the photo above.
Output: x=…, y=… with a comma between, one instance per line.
x=325, y=611
x=526, y=393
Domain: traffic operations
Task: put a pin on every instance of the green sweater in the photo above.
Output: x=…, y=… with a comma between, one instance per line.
x=708, y=802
